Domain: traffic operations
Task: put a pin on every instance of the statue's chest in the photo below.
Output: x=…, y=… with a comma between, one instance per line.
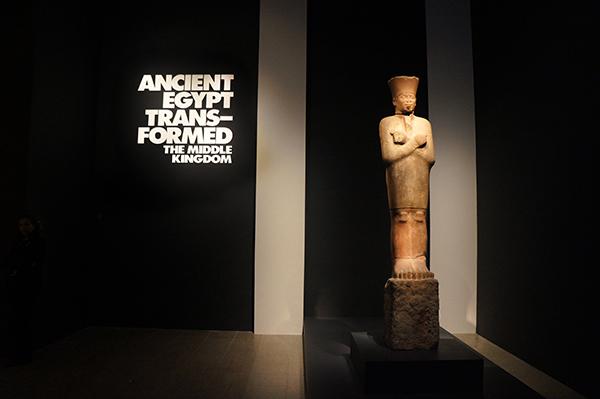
x=405, y=125
x=403, y=129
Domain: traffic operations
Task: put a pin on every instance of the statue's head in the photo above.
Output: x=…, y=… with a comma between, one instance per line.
x=404, y=93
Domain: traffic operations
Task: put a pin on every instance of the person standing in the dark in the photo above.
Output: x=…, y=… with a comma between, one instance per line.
x=24, y=284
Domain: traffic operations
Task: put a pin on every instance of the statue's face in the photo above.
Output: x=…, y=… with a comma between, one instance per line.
x=405, y=103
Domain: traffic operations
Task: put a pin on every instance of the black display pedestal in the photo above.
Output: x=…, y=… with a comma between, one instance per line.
x=452, y=369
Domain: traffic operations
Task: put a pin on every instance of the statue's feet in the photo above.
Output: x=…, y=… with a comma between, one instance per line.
x=410, y=265
x=411, y=268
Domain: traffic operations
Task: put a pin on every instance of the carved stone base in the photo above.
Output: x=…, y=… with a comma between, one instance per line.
x=411, y=314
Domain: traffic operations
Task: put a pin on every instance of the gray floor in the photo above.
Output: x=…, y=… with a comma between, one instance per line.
x=151, y=363
x=330, y=374
x=537, y=380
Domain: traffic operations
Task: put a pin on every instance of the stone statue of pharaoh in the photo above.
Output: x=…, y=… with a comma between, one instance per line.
x=407, y=151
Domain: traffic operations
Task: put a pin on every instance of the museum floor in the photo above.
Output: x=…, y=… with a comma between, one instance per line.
x=112, y=363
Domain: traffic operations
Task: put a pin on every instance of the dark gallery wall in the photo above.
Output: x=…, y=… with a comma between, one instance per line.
x=57, y=126
x=352, y=52
x=16, y=67
x=16, y=45
x=132, y=239
x=535, y=91
x=175, y=242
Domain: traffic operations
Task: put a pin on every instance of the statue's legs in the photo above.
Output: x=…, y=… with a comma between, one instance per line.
x=409, y=240
x=411, y=298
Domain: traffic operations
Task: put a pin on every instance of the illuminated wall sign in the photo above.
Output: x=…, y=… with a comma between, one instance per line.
x=192, y=122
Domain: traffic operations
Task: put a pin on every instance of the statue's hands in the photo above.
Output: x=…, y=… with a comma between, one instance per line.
x=399, y=137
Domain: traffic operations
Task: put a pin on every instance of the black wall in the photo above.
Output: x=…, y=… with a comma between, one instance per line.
x=352, y=52
x=61, y=135
x=16, y=68
x=175, y=242
x=16, y=44
x=535, y=91
x=132, y=239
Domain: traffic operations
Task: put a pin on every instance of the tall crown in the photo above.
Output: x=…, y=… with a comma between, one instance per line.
x=403, y=84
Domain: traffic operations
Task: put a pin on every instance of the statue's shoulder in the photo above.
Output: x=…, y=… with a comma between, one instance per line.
x=387, y=121
x=422, y=121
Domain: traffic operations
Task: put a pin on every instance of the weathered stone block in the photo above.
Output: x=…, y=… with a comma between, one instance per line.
x=411, y=313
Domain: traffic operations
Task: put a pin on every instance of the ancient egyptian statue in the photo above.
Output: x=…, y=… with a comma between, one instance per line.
x=408, y=155
x=407, y=151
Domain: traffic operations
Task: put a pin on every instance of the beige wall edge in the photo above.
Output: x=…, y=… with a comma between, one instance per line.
x=280, y=168
x=453, y=178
